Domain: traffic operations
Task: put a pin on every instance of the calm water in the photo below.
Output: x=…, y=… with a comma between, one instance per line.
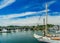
x=18, y=37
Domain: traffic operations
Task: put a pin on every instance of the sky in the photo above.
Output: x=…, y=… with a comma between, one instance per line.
x=28, y=12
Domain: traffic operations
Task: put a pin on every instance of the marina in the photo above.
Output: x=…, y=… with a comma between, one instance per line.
x=29, y=21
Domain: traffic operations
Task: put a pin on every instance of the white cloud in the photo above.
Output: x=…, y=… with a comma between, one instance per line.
x=28, y=21
x=31, y=21
x=5, y=3
x=9, y=16
x=5, y=19
x=54, y=19
x=50, y=3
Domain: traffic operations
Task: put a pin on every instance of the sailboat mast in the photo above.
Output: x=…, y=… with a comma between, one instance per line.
x=44, y=26
x=46, y=19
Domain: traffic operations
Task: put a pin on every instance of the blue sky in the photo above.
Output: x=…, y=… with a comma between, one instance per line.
x=27, y=12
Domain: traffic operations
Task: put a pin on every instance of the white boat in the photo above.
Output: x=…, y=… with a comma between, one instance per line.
x=49, y=38
x=3, y=31
x=46, y=39
x=58, y=31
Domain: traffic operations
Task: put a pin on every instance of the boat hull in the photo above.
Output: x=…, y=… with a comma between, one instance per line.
x=45, y=39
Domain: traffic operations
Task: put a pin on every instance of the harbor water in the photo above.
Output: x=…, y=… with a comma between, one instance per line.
x=18, y=37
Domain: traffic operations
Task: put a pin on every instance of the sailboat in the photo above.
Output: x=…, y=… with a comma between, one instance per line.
x=49, y=38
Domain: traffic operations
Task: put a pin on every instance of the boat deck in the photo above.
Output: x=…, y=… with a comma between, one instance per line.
x=53, y=37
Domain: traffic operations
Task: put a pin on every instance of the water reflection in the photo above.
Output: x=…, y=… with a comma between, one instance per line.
x=19, y=36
